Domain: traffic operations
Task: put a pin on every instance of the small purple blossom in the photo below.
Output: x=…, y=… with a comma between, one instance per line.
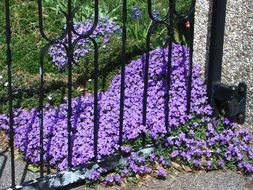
x=162, y=160
x=162, y=173
x=136, y=12
x=174, y=154
x=156, y=14
x=221, y=164
x=95, y=175
x=109, y=180
x=209, y=165
x=152, y=157
x=197, y=163
x=125, y=172
x=117, y=179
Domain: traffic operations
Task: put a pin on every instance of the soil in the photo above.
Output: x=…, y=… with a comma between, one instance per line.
x=4, y=142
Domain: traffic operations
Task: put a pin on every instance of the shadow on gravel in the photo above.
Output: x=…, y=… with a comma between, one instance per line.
x=24, y=173
x=5, y=158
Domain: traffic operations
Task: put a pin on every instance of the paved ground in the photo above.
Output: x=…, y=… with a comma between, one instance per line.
x=22, y=174
x=201, y=181
x=190, y=181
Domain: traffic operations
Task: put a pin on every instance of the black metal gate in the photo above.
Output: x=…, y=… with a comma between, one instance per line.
x=232, y=97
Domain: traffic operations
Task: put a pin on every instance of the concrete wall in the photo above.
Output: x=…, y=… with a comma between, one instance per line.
x=238, y=47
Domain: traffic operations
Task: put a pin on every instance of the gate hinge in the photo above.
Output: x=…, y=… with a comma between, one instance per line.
x=231, y=99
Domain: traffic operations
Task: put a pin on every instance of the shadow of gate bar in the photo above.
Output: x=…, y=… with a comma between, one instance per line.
x=170, y=20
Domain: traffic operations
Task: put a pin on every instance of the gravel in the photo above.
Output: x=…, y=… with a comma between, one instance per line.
x=22, y=174
x=238, y=46
x=190, y=181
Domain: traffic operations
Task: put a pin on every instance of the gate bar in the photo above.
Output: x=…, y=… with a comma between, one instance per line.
x=216, y=45
x=10, y=91
x=123, y=63
x=231, y=99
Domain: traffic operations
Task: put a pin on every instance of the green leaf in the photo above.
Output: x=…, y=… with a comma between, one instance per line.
x=33, y=168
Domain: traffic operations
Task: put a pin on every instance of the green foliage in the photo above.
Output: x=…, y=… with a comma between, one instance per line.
x=27, y=42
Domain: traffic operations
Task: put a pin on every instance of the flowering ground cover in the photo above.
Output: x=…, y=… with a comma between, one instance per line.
x=195, y=140
x=204, y=144
x=55, y=134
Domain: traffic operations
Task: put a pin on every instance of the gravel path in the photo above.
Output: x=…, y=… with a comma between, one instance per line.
x=22, y=174
x=201, y=181
x=189, y=181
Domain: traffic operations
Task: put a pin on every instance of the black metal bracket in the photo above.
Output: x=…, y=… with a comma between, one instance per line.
x=231, y=99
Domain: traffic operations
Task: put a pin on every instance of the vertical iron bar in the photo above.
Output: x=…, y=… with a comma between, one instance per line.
x=10, y=91
x=123, y=63
x=70, y=61
x=189, y=80
x=216, y=45
x=96, y=120
x=145, y=91
x=41, y=95
x=96, y=73
x=40, y=13
x=168, y=78
x=41, y=114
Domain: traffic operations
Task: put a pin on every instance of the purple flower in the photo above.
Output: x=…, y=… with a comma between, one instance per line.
x=136, y=12
x=134, y=168
x=209, y=165
x=141, y=160
x=197, y=163
x=174, y=154
x=161, y=160
x=148, y=170
x=142, y=170
x=221, y=164
x=156, y=14
x=125, y=172
x=109, y=180
x=162, y=173
x=117, y=179
x=95, y=175
x=170, y=141
x=152, y=157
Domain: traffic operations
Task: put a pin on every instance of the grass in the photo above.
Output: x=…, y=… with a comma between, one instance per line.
x=27, y=42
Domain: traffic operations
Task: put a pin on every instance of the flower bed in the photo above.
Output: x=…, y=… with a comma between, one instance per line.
x=55, y=126
x=190, y=140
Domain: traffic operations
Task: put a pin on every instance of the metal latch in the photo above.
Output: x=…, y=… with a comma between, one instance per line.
x=231, y=99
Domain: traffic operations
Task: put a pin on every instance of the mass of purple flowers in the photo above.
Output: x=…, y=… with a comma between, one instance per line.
x=104, y=31
x=213, y=144
x=26, y=122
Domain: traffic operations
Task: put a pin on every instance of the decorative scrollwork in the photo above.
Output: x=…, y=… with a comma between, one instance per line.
x=68, y=32
x=170, y=20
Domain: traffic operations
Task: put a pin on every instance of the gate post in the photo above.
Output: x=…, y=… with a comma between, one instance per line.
x=230, y=99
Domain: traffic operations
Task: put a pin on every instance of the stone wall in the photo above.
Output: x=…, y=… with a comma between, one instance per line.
x=238, y=47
